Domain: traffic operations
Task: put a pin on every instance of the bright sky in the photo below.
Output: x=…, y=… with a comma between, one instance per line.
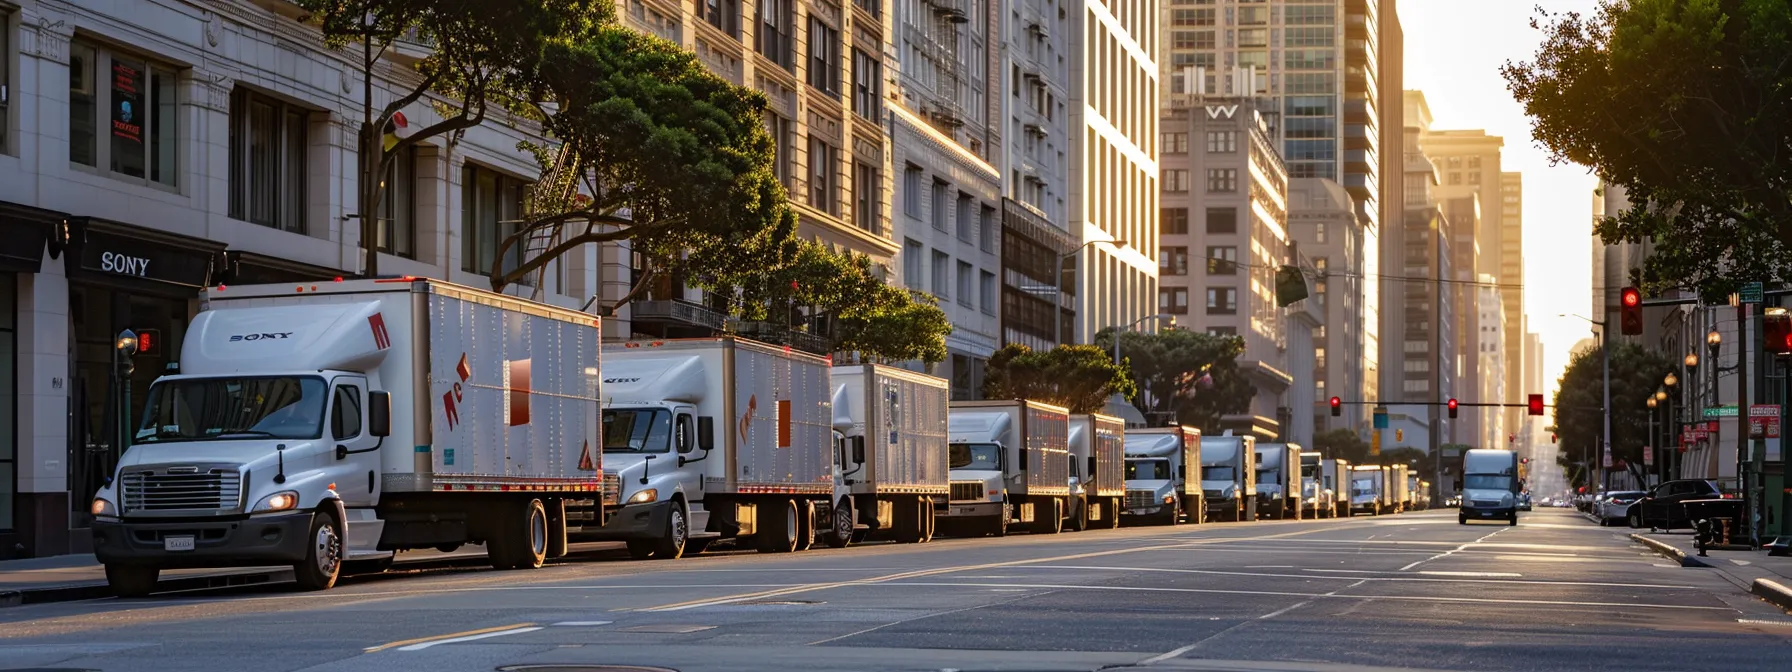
x=1454, y=49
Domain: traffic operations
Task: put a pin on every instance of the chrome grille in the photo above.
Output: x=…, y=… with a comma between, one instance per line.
x=182, y=488
x=1139, y=499
x=612, y=489
x=967, y=491
x=1483, y=504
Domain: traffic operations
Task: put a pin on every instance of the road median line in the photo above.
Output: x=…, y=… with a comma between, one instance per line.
x=438, y=639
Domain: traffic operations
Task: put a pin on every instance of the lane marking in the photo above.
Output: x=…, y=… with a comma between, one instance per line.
x=1452, y=551
x=1365, y=598
x=422, y=640
x=927, y=615
x=1479, y=575
x=1177, y=653
x=457, y=640
x=1467, y=577
x=581, y=624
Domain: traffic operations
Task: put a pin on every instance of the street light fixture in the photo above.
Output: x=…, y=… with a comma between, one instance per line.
x=1671, y=379
x=1058, y=289
x=1692, y=360
x=1714, y=339
x=1651, y=402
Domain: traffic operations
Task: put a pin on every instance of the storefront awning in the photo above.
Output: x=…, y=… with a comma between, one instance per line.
x=136, y=258
x=249, y=268
x=24, y=230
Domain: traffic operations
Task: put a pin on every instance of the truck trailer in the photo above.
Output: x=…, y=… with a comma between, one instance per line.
x=1278, y=480
x=1097, y=470
x=331, y=425
x=715, y=438
x=1229, y=477
x=1163, y=476
x=1009, y=464
x=1335, y=475
x=1316, y=499
x=890, y=471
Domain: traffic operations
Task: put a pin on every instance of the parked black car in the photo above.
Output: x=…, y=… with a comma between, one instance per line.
x=1661, y=508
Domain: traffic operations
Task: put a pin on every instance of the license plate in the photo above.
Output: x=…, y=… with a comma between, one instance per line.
x=182, y=543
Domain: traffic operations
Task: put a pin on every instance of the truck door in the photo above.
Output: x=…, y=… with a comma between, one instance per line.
x=357, y=457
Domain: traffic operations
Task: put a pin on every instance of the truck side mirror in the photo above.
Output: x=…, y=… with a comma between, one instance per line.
x=379, y=413
x=706, y=433
x=858, y=449
x=1091, y=466
x=1023, y=458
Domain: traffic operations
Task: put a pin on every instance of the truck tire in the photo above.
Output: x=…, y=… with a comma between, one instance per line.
x=696, y=546
x=674, y=539
x=1112, y=522
x=998, y=526
x=1513, y=520
x=805, y=524
x=839, y=534
x=1079, y=516
x=928, y=522
x=908, y=522
x=323, y=554
x=777, y=527
x=521, y=538
x=557, y=542
x=1461, y=519
x=1052, y=520
x=127, y=581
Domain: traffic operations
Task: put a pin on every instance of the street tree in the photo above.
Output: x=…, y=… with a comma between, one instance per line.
x=1682, y=103
x=1342, y=444
x=479, y=60
x=1078, y=377
x=1188, y=375
x=1636, y=373
x=868, y=315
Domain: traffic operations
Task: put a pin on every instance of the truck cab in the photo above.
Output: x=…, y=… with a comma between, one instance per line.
x=1316, y=498
x=979, y=462
x=1229, y=477
x=1367, y=483
x=1160, y=462
x=1489, y=486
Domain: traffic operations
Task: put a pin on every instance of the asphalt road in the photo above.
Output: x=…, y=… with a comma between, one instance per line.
x=1414, y=591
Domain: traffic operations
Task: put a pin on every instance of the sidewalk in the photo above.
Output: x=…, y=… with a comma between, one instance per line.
x=1767, y=577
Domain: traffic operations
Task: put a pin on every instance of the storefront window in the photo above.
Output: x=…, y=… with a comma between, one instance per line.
x=98, y=314
x=133, y=101
x=8, y=399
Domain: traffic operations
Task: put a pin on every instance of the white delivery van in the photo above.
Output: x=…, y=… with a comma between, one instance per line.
x=1335, y=476
x=1009, y=464
x=1163, y=475
x=1097, y=460
x=1278, y=480
x=1368, y=486
x=715, y=438
x=890, y=464
x=1489, y=486
x=321, y=424
x=1229, y=477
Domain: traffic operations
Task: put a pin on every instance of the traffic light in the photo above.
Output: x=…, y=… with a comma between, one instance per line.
x=1452, y=405
x=1777, y=327
x=1337, y=407
x=1630, y=311
x=1399, y=435
x=1534, y=405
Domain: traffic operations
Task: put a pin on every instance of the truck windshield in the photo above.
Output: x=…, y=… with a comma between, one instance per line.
x=1362, y=486
x=637, y=430
x=1217, y=473
x=987, y=456
x=1147, y=470
x=1486, y=482
x=205, y=409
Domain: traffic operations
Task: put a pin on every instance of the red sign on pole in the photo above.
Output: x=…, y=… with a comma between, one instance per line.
x=1764, y=421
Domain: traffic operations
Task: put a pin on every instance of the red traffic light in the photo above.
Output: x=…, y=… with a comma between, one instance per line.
x=1337, y=407
x=1632, y=297
x=1534, y=405
x=1776, y=326
x=1630, y=311
x=1452, y=406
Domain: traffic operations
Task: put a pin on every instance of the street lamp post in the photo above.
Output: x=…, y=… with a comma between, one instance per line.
x=1058, y=289
x=1691, y=391
x=1605, y=369
x=1654, y=437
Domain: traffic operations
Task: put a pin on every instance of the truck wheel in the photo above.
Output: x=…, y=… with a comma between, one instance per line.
x=1113, y=511
x=840, y=533
x=323, y=554
x=927, y=520
x=1461, y=519
x=521, y=540
x=129, y=581
x=1512, y=521
x=777, y=527
x=1053, y=520
x=673, y=541
x=909, y=524
x=998, y=526
x=805, y=524
x=1079, y=516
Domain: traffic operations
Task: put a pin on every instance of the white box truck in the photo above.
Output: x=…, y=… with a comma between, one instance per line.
x=890, y=471
x=1489, y=486
x=1335, y=476
x=1097, y=470
x=1368, y=487
x=1398, y=485
x=1009, y=463
x=1416, y=498
x=1163, y=476
x=320, y=424
x=1316, y=499
x=1229, y=477
x=715, y=438
x=1278, y=480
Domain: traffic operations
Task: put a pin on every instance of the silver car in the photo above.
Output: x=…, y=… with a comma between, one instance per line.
x=1614, y=507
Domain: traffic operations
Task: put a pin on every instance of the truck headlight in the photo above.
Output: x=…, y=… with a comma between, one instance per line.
x=102, y=507
x=1169, y=499
x=645, y=496
x=279, y=501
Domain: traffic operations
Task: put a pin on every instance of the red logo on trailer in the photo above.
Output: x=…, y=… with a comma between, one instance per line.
x=516, y=381
x=381, y=339
x=452, y=398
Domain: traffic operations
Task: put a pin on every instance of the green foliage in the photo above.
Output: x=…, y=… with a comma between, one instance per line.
x=1683, y=103
x=1167, y=368
x=1078, y=377
x=1636, y=374
x=870, y=316
x=1342, y=444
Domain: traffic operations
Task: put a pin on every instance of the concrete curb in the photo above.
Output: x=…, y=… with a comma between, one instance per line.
x=1772, y=591
x=1669, y=551
x=94, y=591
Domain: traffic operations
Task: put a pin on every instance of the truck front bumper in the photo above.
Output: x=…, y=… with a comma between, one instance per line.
x=278, y=539
x=635, y=521
x=973, y=510
x=1489, y=513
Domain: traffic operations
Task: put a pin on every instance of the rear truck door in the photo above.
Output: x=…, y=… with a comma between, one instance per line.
x=355, y=460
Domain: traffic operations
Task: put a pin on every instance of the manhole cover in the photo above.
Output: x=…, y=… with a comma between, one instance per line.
x=583, y=668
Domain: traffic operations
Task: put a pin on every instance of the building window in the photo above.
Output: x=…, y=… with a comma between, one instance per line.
x=1191, y=17
x=267, y=161
x=1474, y=178
x=966, y=291
x=942, y=279
x=867, y=85
x=1172, y=300
x=1175, y=143
x=398, y=207
x=821, y=176
x=773, y=37
x=986, y=284
x=1223, y=331
x=966, y=207
x=939, y=204
x=134, y=101
x=5, y=100
x=911, y=263
x=490, y=209
x=1222, y=220
x=865, y=187
x=1455, y=177
x=1172, y=261
x=1252, y=16
x=986, y=230
x=1222, y=301
x=1222, y=142
x=723, y=14
x=1175, y=180
x=911, y=190
x=1474, y=163
x=1222, y=180
x=1253, y=37
x=824, y=57
x=1174, y=221
x=873, y=6
x=1222, y=260
x=1319, y=233
x=782, y=131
